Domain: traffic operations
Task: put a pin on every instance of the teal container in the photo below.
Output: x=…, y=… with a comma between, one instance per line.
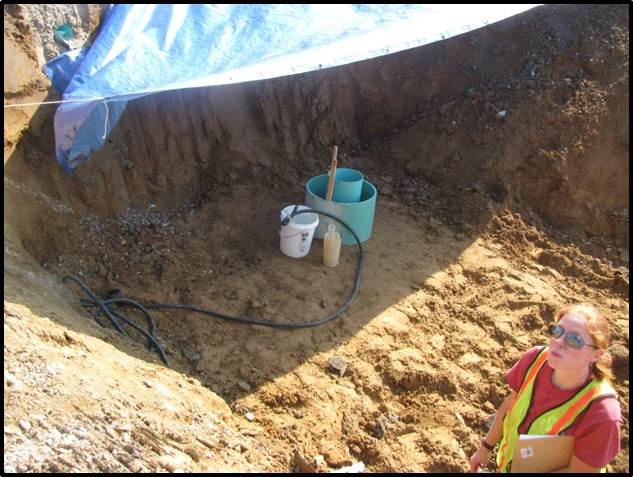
x=348, y=185
x=358, y=215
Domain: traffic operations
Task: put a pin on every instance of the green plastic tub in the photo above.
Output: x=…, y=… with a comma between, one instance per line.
x=358, y=215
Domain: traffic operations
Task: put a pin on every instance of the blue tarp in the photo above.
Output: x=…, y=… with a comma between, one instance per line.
x=144, y=49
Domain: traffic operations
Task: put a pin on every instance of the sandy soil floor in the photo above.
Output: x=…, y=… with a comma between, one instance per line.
x=440, y=316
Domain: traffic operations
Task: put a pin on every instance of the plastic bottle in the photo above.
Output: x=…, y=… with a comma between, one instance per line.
x=331, y=246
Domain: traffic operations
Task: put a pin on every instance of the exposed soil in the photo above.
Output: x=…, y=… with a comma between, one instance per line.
x=501, y=163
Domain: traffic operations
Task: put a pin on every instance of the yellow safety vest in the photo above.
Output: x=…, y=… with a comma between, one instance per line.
x=551, y=422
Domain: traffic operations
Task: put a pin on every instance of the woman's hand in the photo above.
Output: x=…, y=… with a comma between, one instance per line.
x=479, y=459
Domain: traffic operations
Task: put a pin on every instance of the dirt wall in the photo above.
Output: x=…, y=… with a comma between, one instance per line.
x=535, y=108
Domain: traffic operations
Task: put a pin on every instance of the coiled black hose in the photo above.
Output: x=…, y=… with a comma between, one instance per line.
x=98, y=306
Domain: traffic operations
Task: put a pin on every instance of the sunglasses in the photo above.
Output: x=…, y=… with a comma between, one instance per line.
x=575, y=341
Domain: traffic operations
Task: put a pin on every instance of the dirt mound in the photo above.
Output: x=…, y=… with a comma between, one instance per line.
x=501, y=162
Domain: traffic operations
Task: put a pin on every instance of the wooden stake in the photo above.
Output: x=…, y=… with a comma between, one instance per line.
x=330, y=184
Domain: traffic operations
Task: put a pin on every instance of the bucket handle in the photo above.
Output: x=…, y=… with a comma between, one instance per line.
x=293, y=235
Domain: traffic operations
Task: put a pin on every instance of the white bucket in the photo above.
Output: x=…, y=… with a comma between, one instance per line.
x=296, y=235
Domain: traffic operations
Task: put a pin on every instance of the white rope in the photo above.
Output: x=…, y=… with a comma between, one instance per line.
x=105, y=103
x=105, y=126
x=17, y=105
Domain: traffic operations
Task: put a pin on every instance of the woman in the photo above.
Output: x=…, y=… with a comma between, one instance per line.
x=568, y=380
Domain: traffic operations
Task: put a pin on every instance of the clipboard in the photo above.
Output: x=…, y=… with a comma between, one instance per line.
x=537, y=453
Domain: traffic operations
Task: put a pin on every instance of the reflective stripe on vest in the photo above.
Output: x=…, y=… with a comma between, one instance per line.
x=517, y=412
x=551, y=422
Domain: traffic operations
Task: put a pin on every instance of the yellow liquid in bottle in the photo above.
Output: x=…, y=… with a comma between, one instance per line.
x=331, y=246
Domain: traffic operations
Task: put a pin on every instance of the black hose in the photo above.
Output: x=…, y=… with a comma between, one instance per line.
x=97, y=302
x=102, y=306
x=113, y=315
